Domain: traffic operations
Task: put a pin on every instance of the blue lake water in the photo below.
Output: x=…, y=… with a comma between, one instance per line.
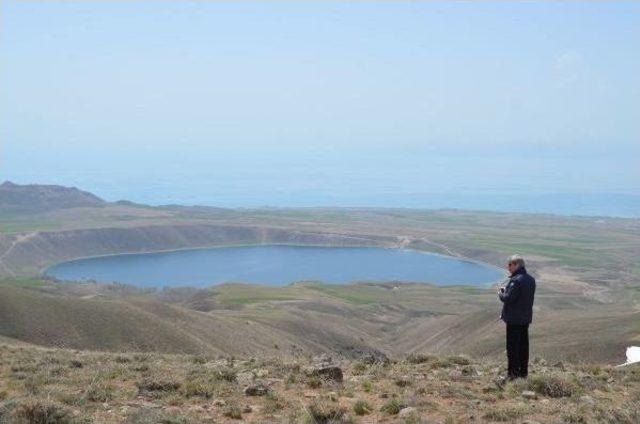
x=276, y=266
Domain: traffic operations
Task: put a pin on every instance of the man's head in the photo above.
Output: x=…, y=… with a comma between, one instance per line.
x=514, y=263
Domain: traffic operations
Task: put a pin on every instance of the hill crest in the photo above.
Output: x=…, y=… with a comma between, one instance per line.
x=36, y=198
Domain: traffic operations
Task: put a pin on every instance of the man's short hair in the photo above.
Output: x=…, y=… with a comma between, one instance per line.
x=517, y=259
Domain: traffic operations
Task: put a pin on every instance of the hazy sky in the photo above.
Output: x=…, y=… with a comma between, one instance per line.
x=177, y=86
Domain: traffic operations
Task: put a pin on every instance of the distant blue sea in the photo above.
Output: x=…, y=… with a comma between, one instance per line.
x=395, y=179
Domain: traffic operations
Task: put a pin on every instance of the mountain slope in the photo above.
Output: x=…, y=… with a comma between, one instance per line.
x=36, y=198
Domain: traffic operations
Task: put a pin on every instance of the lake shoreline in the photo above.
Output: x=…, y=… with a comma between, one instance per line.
x=47, y=271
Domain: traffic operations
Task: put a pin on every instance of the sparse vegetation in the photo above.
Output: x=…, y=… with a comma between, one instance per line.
x=392, y=407
x=174, y=389
x=554, y=386
x=504, y=414
x=362, y=407
x=324, y=412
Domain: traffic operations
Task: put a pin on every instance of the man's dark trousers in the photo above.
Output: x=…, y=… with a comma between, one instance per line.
x=518, y=350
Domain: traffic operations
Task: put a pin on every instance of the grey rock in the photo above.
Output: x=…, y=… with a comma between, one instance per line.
x=256, y=390
x=326, y=372
x=528, y=394
x=587, y=399
x=262, y=372
x=244, y=378
x=405, y=412
x=322, y=359
x=374, y=358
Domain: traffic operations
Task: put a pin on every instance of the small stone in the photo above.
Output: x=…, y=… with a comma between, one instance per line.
x=374, y=358
x=256, y=390
x=244, y=378
x=530, y=422
x=528, y=394
x=247, y=409
x=405, y=412
x=455, y=374
x=587, y=399
x=262, y=372
x=540, y=361
x=327, y=372
x=322, y=359
x=384, y=395
x=310, y=394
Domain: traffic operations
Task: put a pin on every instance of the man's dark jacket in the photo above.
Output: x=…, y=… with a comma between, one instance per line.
x=518, y=298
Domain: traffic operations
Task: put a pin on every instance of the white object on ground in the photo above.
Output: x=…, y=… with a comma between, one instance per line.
x=633, y=355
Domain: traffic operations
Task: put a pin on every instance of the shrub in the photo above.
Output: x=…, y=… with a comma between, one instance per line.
x=553, y=386
x=574, y=417
x=232, y=411
x=198, y=388
x=121, y=359
x=419, y=358
x=403, y=381
x=273, y=403
x=198, y=359
x=359, y=368
x=314, y=382
x=367, y=386
x=98, y=391
x=291, y=379
x=504, y=414
x=392, y=407
x=35, y=411
x=361, y=407
x=459, y=360
x=150, y=385
x=150, y=416
x=225, y=374
x=323, y=412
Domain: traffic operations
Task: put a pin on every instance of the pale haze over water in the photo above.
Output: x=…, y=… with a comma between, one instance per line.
x=502, y=106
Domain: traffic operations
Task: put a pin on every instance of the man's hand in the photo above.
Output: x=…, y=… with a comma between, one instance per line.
x=500, y=290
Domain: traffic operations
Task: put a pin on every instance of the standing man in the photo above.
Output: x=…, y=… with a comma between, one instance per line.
x=517, y=311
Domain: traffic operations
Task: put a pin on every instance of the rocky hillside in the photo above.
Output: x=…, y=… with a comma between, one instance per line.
x=60, y=386
x=35, y=198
